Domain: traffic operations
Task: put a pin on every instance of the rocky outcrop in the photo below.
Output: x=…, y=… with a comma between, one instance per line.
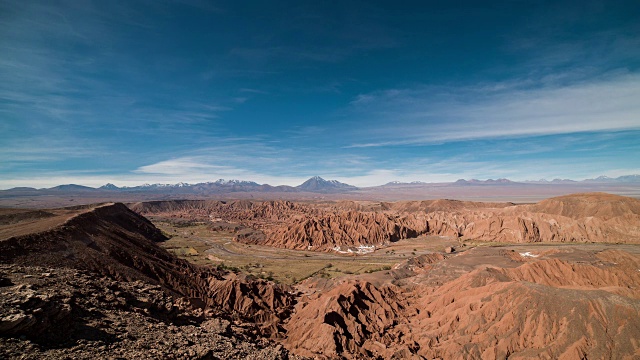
x=497, y=317
x=608, y=218
x=563, y=274
x=260, y=302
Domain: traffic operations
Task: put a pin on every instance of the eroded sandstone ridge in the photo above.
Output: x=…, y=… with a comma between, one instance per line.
x=593, y=217
x=525, y=308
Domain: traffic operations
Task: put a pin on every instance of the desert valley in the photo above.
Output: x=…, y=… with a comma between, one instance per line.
x=272, y=180
x=275, y=279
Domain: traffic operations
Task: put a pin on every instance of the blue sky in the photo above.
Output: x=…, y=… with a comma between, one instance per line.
x=134, y=92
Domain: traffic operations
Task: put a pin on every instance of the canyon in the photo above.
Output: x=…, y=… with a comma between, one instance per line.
x=559, y=278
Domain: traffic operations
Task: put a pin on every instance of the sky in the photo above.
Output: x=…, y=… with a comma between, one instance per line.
x=365, y=92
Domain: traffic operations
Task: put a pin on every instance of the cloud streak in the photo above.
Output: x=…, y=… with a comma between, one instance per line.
x=424, y=115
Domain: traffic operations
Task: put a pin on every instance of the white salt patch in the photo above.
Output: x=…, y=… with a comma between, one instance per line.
x=528, y=254
x=361, y=250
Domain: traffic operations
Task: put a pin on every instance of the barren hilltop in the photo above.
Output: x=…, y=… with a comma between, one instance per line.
x=410, y=279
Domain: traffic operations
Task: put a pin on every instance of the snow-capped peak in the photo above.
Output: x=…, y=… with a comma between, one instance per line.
x=224, y=182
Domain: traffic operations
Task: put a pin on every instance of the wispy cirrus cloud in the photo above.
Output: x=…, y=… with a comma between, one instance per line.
x=427, y=114
x=565, y=82
x=196, y=169
x=253, y=91
x=181, y=166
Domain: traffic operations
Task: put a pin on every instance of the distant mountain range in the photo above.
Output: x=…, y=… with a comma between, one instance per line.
x=620, y=179
x=315, y=184
x=626, y=179
x=464, y=182
x=396, y=183
x=221, y=183
x=634, y=179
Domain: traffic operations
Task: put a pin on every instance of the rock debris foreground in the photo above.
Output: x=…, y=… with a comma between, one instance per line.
x=57, y=313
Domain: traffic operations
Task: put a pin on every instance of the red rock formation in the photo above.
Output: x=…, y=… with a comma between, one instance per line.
x=517, y=225
x=546, y=308
x=578, y=206
x=344, y=229
x=261, y=302
x=245, y=211
x=354, y=319
x=576, y=218
x=502, y=318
